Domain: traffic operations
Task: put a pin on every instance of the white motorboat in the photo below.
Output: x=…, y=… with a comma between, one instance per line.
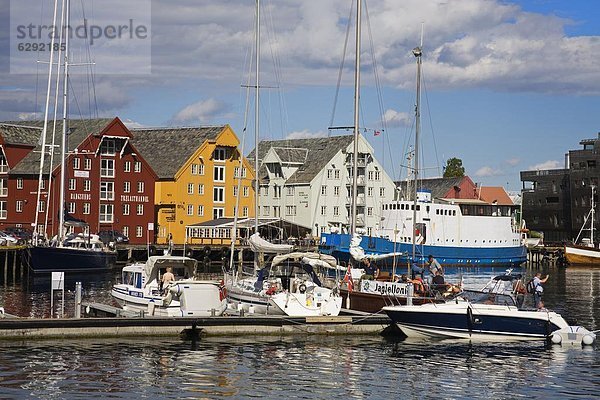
x=288, y=286
x=489, y=314
x=186, y=296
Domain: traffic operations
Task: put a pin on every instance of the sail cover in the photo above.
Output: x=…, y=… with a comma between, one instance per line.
x=258, y=244
x=358, y=253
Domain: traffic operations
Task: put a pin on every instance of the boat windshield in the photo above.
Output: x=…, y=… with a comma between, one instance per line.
x=479, y=297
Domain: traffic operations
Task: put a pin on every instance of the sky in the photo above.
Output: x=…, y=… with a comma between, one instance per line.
x=507, y=85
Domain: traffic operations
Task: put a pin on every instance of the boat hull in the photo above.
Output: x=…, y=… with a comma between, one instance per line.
x=338, y=245
x=580, y=255
x=475, y=322
x=47, y=259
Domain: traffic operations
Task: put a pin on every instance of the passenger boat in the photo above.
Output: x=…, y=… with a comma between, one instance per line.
x=140, y=289
x=492, y=313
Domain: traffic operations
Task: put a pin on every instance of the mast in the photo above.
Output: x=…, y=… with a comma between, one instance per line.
x=256, y=117
x=356, y=119
x=61, y=205
x=592, y=212
x=417, y=52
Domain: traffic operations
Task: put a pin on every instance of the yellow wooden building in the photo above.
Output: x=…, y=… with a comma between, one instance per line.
x=198, y=170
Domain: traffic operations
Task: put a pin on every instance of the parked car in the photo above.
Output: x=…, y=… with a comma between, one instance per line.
x=20, y=233
x=10, y=240
x=113, y=236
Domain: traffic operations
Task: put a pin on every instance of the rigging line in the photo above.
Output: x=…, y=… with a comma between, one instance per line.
x=90, y=76
x=341, y=70
x=431, y=124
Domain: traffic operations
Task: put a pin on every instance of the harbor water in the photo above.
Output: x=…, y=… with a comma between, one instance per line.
x=302, y=366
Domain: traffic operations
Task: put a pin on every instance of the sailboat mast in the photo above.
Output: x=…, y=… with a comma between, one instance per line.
x=356, y=119
x=63, y=153
x=417, y=52
x=592, y=212
x=256, y=117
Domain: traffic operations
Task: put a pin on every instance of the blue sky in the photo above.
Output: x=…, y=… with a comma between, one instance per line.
x=510, y=85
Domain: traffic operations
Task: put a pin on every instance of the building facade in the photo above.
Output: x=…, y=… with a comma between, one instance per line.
x=108, y=184
x=201, y=176
x=309, y=182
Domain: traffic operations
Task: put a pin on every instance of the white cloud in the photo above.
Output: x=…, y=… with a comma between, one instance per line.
x=395, y=118
x=133, y=124
x=203, y=111
x=488, y=171
x=31, y=116
x=306, y=134
x=550, y=164
x=513, y=161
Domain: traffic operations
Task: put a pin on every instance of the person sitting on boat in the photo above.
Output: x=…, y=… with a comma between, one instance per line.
x=539, y=289
x=439, y=283
x=369, y=269
x=418, y=284
x=434, y=266
x=167, y=278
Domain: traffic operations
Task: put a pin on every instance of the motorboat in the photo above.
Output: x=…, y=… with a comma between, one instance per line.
x=492, y=313
x=140, y=289
x=288, y=286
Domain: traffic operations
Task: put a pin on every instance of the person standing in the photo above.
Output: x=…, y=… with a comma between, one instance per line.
x=538, y=289
x=434, y=266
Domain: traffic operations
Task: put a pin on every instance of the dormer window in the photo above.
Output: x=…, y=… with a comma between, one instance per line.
x=220, y=154
x=108, y=147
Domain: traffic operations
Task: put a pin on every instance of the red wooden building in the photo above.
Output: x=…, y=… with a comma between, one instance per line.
x=108, y=183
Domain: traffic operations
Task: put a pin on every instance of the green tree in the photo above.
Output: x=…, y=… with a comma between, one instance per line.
x=454, y=168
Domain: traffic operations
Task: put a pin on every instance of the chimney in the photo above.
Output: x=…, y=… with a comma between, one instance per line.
x=566, y=160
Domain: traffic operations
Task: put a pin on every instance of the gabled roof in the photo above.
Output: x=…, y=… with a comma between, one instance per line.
x=80, y=130
x=315, y=153
x=438, y=187
x=19, y=135
x=491, y=194
x=167, y=149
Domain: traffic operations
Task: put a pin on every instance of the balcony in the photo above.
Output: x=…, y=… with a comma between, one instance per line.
x=360, y=200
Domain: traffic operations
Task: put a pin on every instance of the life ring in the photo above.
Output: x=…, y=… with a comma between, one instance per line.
x=302, y=288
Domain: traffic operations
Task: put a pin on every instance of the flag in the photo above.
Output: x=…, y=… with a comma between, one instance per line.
x=348, y=279
x=377, y=133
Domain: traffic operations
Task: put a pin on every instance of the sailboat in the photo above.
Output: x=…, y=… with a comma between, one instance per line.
x=81, y=253
x=584, y=252
x=288, y=285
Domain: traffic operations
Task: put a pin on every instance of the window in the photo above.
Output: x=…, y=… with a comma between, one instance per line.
x=220, y=154
x=127, y=166
x=190, y=188
x=246, y=191
x=377, y=175
x=245, y=211
x=107, y=190
x=336, y=210
x=266, y=210
x=3, y=164
x=290, y=210
x=369, y=191
x=71, y=208
x=19, y=206
x=140, y=187
x=107, y=168
x=323, y=210
x=201, y=188
x=41, y=206
x=235, y=191
x=371, y=174
x=126, y=187
x=323, y=190
x=219, y=173
x=43, y=185
x=336, y=174
x=139, y=209
x=126, y=209
x=277, y=190
x=87, y=185
x=370, y=211
x=138, y=166
x=86, y=208
x=218, y=212
x=87, y=164
x=3, y=210
x=106, y=213
x=194, y=169
x=3, y=187
x=329, y=173
x=200, y=210
x=381, y=191
x=265, y=190
x=76, y=162
x=290, y=190
x=108, y=147
x=19, y=183
x=72, y=184
x=139, y=231
x=126, y=231
x=336, y=190
x=276, y=211
x=201, y=169
x=219, y=195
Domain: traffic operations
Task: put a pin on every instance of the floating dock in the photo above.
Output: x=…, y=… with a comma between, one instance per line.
x=127, y=326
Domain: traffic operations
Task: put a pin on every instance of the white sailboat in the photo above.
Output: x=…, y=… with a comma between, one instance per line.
x=584, y=252
x=288, y=285
x=62, y=254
